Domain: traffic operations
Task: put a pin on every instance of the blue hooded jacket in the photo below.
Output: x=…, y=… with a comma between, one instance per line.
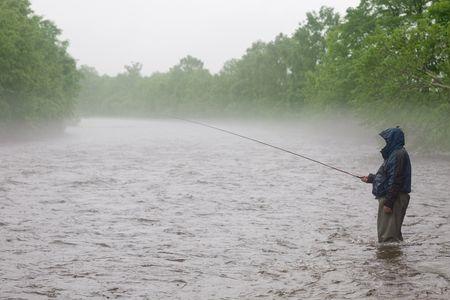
x=394, y=175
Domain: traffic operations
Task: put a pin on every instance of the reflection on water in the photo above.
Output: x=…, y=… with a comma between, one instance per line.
x=391, y=252
x=393, y=270
x=168, y=210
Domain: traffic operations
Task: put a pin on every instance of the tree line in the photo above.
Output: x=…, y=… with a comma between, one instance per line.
x=386, y=61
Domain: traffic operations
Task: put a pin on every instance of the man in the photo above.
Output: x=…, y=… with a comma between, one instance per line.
x=391, y=186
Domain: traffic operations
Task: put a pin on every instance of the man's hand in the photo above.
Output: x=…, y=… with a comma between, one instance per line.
x=365, y=179
x=387, y=210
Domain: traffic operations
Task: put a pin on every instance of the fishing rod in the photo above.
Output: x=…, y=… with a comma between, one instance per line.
x=269, y=145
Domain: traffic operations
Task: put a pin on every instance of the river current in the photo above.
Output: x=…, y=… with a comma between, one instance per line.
x=163, y=209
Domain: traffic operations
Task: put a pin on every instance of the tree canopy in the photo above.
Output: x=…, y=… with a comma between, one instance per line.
x=38, y=79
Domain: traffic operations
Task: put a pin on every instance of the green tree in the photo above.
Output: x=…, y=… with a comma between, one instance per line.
x=388, y=61
x=38, y=79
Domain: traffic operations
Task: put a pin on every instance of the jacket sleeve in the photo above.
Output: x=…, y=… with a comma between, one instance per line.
x=370, y=178
x=395, y=167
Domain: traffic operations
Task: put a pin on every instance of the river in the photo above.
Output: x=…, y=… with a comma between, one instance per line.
x=162, y=209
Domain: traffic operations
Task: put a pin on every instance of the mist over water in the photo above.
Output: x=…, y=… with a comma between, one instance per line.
x=166, y=209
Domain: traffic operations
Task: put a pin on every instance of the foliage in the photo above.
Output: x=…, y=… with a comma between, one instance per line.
x=38, y=79
x=388, y=61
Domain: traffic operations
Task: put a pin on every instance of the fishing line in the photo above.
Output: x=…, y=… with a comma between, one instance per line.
x=269, y=145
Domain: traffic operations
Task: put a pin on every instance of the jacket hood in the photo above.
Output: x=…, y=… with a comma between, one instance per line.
x=395, y=139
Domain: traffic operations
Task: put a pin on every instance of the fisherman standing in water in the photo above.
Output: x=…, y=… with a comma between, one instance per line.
x=391, y=186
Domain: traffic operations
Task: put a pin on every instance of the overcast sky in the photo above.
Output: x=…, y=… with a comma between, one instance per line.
x=108, y=34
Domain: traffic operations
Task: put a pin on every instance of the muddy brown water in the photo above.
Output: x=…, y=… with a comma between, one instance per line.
x=162, y=209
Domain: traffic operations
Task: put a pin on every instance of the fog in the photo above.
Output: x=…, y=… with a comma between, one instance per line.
x=109, y=34
x=188, y=150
